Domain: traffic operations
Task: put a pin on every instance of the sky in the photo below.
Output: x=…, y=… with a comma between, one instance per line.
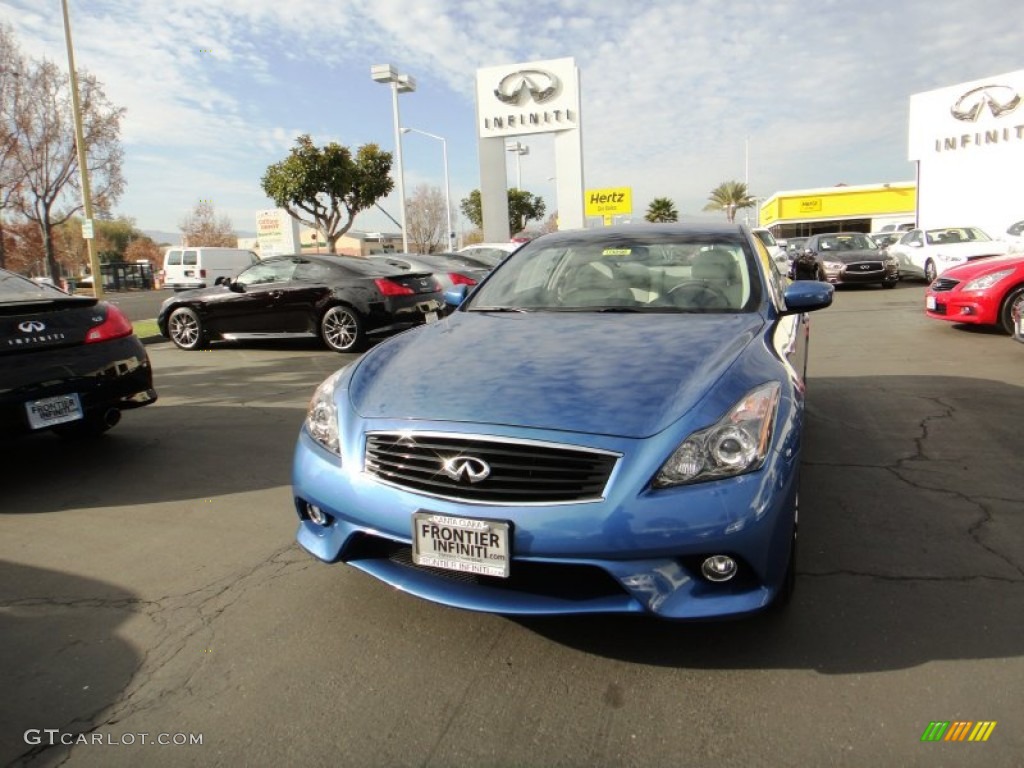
x=677, y=96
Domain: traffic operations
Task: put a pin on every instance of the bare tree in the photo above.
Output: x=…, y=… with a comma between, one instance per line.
x=426, y=220
x=203, y=227
x=46, y=159
x=11, y=65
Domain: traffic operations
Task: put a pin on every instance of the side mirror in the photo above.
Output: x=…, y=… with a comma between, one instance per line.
x=221, y=280
x=455, y=295
x=807, y=296
x=234, y=286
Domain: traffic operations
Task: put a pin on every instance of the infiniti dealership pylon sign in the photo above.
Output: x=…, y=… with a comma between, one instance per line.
x=530, y=98
x=967, y=141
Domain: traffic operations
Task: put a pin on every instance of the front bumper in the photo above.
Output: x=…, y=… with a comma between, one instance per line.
x=961, y=307
x=109, y=374
x=627, y=553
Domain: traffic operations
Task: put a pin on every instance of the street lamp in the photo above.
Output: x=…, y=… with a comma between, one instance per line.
x=520, y=149
x=447, y=192
x=385, y=73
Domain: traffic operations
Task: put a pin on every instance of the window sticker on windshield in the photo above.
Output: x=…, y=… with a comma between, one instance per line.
x=616, y=251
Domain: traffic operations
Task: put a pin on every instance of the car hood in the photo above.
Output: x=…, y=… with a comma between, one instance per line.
x=970, y=248
x=628, y=375
x=979, y=267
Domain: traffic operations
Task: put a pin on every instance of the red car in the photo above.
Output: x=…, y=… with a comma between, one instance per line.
x=981, y=292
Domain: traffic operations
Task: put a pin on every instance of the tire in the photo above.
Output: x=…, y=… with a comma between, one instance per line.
x=186, y=329
x=342, y=330
x=889, y=283
x=930, y=273
x=1006, y=308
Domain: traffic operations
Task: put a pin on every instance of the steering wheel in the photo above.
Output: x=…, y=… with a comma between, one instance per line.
x=698, y=294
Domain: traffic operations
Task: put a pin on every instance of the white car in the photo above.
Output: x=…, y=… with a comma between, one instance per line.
x=1014, y=237
x=927, y=253
x=491, y=254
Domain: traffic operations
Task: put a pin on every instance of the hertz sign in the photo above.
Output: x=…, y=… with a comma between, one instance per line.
x=608, y=202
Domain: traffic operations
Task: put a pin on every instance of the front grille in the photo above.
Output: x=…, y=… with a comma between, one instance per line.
x=940, y=309
x=865, y=267
x=561, y=580
x=520, y=471
x=944, y=284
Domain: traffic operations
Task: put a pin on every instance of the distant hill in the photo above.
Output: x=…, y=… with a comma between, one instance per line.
x=174, y=238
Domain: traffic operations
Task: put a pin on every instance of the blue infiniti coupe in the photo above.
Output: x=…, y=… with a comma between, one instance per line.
x=622, y=433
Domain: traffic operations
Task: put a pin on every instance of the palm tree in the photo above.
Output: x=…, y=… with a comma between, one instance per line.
x=661, y=209
x=730, y=196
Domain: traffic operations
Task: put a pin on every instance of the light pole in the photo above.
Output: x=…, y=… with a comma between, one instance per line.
x=519, y=149
x=447, y=191
x=385, y=73
x=83, y=168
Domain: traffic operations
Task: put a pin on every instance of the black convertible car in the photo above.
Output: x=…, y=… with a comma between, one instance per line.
x=68, y=364
x=343, y=300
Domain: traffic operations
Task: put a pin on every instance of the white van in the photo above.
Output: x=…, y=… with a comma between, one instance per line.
x=199, y=267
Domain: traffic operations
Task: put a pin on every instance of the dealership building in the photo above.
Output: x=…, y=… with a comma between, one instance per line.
x=967, y=142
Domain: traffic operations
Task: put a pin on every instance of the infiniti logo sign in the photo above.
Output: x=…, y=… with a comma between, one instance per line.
x=464, y=469
x=537, y=84
x=999, y=99
x=31, y=326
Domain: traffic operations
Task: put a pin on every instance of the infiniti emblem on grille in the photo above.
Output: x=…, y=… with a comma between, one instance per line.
x=463, y=469
x=31, y=326
x=865, y=266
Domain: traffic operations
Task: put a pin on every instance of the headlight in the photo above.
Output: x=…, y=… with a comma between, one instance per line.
x=322, y=415
x=986, y=281
x=833, y=266
x=890, y=261
x=947, y=258
x=737, y=444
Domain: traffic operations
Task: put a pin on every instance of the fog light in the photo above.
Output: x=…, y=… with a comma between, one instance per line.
x=966, y=311
x=317, y=515
x=718, y=568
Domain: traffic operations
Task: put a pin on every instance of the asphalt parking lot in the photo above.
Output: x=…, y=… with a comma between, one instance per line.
x=150, y=584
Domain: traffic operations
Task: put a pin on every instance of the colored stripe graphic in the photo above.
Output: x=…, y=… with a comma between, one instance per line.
x=958, y=731
x=982, y=730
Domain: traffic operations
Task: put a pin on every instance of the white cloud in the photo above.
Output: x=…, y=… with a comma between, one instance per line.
x=671, y=90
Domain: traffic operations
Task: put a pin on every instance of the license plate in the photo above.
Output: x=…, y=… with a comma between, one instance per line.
x=460, y=544
x=929, y=302
x=53, y=410
x=431, y=317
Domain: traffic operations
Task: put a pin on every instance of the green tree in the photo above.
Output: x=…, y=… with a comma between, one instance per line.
x=522, y=208
x=661, y=209
x=730, y=196
x=325, y=187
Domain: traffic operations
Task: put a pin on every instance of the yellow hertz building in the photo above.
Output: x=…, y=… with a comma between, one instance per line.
x=865, y=208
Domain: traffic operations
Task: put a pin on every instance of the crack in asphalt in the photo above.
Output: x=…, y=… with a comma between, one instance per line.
x=214, y=600
x=904, y=466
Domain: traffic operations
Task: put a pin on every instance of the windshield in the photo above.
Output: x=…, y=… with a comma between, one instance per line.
x=663, y=273
x=955, y=235
x=14, y=287
x=851, y=242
